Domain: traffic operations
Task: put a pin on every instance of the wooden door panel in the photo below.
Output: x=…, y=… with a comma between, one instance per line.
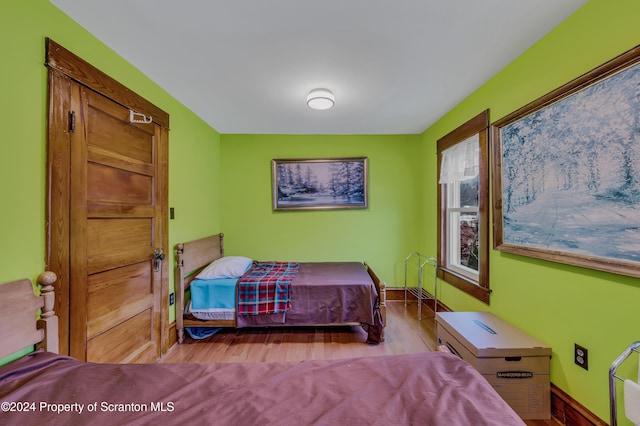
x=112, y=125
x=123, y=341
x=107, y=158
x=110, y=185
x=121, y=231
x=108, y=291
x=103, y=210
x=112, y=243
x=99, y=324
x=131, y=142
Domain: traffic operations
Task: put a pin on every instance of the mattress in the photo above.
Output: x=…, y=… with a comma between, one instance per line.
x=213, y=299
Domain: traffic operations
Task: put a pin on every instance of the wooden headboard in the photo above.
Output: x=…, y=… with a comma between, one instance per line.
x=19, y=328
x=195, y=255
x=191, y=258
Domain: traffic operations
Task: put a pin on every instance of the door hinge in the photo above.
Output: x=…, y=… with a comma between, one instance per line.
x=72, y=121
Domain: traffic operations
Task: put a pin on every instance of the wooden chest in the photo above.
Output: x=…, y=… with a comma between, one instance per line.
x=514, y=363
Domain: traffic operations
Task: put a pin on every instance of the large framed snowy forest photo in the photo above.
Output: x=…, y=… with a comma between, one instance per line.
x=319, y=183
x=566, y=172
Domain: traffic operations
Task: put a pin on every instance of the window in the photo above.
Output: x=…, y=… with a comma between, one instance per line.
x=463, y=201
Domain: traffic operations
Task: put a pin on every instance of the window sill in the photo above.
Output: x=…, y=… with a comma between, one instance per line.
x=470, y=287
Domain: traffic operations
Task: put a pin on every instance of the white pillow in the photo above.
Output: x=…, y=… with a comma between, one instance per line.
x=225, y=267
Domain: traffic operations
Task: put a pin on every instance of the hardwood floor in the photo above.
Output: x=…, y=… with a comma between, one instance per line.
x=404, y=334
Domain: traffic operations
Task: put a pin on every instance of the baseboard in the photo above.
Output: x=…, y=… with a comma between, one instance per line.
x=173, y=336
x=397, y=293
x=568, y=411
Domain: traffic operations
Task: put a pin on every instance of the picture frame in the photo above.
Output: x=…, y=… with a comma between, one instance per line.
x=320, y=183
x=566, y=172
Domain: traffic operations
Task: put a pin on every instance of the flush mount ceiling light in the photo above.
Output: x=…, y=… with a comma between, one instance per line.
x=320, y=99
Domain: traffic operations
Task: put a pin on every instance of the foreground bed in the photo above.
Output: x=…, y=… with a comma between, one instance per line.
x=427, y=388
x=322, y=293
x=45, y=388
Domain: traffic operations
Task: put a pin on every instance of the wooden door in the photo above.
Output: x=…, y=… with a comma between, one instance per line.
x=115, y=228
x=106, y=214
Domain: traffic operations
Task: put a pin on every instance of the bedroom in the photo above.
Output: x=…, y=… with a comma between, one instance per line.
x=545, y=300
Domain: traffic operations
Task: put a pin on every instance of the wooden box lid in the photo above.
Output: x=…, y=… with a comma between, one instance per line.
x=486, y=335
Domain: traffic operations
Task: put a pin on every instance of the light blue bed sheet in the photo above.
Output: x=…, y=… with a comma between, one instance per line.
x=216, y=293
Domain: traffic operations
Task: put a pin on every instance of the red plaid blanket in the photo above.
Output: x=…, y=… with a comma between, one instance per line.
x=266, y=288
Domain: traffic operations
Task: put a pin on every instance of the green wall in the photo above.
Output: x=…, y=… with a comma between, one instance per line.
x=559, y=304
x=381, y=235
x=194, y=169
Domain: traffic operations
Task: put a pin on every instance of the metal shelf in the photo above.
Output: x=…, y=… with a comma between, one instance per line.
x=418, y=261
x=419, y=293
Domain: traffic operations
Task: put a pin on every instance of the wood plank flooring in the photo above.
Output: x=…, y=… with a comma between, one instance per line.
x=404, y=334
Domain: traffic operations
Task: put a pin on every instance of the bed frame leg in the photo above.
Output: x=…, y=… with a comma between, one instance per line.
x=383, y=307
x=381, y=286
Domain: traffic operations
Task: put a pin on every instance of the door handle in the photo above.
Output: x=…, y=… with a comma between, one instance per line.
x=158, y=257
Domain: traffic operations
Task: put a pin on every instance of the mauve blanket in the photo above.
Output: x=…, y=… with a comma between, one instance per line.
x=415, y=389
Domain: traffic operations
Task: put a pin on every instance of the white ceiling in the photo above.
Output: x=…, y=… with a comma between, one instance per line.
x=246, y=66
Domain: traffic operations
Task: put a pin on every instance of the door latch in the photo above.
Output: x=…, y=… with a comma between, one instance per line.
x=158, y=257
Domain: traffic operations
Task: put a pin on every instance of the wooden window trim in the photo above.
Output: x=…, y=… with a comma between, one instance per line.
x=480, y=289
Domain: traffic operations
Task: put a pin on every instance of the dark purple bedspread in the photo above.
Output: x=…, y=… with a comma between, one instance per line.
x=417, y=389
x=325, y=293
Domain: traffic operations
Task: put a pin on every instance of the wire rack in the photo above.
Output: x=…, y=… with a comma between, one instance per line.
x=418, y=261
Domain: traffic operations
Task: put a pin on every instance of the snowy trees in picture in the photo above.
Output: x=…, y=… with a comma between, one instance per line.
x=567, y=171
x=337, y=183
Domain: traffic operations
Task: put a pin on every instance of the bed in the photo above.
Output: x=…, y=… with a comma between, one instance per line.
x=42, y=387
x=321, y=293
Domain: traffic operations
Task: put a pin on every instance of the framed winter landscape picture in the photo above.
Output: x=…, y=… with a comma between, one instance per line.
x=319, y=183
x=566, y=172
